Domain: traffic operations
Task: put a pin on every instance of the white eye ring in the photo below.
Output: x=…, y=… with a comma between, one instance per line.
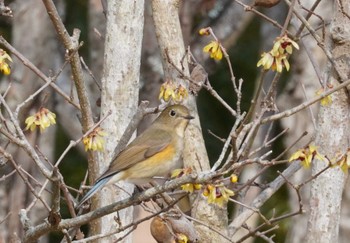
x=172, y=113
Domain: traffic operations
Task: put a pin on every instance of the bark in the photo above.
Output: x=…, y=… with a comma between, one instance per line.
x=170, y=39
x=120, y=84
x=31, y=30
x=331, y=138
x=150, y=81
x=302, y=86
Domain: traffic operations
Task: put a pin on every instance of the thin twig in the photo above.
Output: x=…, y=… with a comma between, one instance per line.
x=40, y=74
x=25, y=180
x=288, y=18
x=310, y=110
x=304, y=105
x=90, y=73
x=248, y=8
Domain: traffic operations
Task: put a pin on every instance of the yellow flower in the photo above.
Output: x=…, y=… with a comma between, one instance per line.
x=207, y=190
x=43, y=119
x=189, y=187
x=348, y=157
x=275, y=62
x=233, y=178
x=306, y=155
x=214, y=48
x=283, y=44
x=181, y=238
x=204, y=31
x=167, y=91
x=94, y=140
x=280, y=62
x=326, y=100
x=180, y=94
x=266, y=61
x=177, y=173
x=4, y=59
x=277, y=58
x=217, y=194
x=343, y=161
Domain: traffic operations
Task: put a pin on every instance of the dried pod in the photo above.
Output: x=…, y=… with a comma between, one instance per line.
x=265, y=3
x=198, y=76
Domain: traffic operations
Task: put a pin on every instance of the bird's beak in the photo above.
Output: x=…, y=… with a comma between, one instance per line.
x=188, y=117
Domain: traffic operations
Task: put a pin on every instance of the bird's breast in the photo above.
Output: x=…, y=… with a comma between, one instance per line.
x=159, y=164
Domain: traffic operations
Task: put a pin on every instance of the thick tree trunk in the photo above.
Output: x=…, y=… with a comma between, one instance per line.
x=332, y=138
x=301, y=87
x=169, y=34
x=120, y=87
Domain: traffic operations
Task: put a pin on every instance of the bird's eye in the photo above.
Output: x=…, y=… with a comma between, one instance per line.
x=172, y=113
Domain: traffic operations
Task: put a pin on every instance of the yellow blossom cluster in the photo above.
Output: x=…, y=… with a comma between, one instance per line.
x=94, y=140
x=306, y=155
x=43, y=119
x=189, y=187
x=342, y=161
x=214, y=48
x=169, y=90
x=4, y=59
x=277, y=58
x=217, y=194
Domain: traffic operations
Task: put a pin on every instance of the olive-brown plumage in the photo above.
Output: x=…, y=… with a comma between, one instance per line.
x=155, y=152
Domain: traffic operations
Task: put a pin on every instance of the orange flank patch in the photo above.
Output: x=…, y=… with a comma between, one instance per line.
x=158, y=164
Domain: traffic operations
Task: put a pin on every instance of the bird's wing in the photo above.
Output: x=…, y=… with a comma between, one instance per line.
x=138, y=150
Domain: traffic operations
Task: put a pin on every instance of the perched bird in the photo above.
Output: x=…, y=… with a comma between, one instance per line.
x=155, y=152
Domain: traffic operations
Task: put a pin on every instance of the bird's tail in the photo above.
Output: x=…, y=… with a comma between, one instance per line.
x=98, y=185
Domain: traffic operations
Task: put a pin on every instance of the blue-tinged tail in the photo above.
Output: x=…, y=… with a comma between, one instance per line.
x=99, y=184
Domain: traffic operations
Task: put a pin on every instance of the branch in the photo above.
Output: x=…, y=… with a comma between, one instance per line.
x=262, y=198
x=304, y=105
x=40, y=74
x=71, y=43
x=34, y=233
x=23, y=142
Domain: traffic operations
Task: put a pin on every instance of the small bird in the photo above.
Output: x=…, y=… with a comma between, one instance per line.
x=155, y=152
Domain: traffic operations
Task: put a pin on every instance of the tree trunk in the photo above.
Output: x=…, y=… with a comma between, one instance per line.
x=169, y=34
x=332, y=138
x=301, y=87
x=120, y=87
